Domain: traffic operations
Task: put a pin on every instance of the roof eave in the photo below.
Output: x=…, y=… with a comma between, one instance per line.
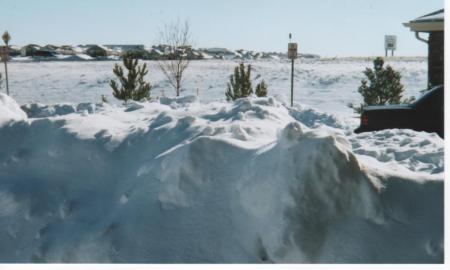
x=425, y=26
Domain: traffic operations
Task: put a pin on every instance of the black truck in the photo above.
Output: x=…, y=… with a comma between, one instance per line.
x=425, y=114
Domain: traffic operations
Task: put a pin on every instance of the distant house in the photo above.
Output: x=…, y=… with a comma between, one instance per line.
x=50, y=48
x=433, y=24
x=205, y=55
x=79, y=49
x=98, y=51
x=75, y=57
x=216, y=50
x=36, y=51
x=194, y=55
x=155, y=54
x=12, y=50
x=29, y=50
x=165, y=49
x=222, y=53
x=134, y=50
x=125, y=48
x=137, y=53
x=66, y=50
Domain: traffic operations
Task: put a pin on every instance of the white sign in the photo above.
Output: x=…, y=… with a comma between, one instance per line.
x=390, y=42
x=292, y=50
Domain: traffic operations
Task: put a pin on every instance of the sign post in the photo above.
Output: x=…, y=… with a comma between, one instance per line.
x=5, y=55
x=292, y=54
x=390, y=44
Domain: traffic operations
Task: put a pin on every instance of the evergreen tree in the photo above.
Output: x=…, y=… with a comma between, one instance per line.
x=133, y=85
x=382, y=85
x=261, y=89
x=240, y=84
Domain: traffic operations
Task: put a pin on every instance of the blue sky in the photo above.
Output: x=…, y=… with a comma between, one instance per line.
x=325, y=27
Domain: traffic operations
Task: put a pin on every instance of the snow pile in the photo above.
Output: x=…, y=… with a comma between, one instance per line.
x=181, y=181
x=314, y=119
x=415, y=151
x=9, y=110
x=38, y=110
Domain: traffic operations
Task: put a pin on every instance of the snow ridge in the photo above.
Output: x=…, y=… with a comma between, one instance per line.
x=181, y=181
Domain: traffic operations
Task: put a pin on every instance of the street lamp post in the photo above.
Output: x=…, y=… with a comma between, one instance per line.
x=6, y=38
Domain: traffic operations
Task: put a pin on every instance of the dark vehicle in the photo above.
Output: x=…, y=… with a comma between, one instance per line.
x=425, y=114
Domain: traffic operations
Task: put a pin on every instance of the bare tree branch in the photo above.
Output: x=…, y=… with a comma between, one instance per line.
x=176, y=38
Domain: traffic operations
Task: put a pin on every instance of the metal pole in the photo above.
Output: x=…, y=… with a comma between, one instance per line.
x=392, y=53
x=385, y=53
x=292, y=84
x=6, y=71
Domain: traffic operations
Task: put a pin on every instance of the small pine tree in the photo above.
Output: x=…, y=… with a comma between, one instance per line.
x=240, y=84
x=133, y=85
x=384, y=86
x=261, y=89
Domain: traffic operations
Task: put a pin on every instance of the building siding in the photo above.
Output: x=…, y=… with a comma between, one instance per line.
x=436, y=58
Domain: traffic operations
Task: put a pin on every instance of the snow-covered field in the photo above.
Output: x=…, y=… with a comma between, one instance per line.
x=204, y=180
x=328, y=85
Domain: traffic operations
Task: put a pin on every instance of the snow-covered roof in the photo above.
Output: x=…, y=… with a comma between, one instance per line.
x=97, y=46
x=216, y=50
x=432, y=17
x=78, y=49
x=156, y=51
x=14, y=47
x=75, y=57
x=125, y=47
x=428, y=23
x=32, y=46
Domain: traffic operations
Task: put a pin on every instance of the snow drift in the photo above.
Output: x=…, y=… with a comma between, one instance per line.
x=9, y=110
x=179, y=181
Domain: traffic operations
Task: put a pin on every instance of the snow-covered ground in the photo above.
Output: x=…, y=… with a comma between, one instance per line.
x=183, y=180
x=327, y=85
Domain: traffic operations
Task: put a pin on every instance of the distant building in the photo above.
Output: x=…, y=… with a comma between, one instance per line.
x=221, y=53
x=433, y=24
x=29, y=50
x=76, y=57
x=216, y=50
x=50, y=48
x=98, y=51
x=125, y=48
x=36, y=51
x=136, y=53
x=155, y=54
x=66, y=50
x=12, y=50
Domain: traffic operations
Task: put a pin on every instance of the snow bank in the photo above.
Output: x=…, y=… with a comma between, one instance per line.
x=415, y=151
x=10, y=110
x=37, y=110
x=217, y=182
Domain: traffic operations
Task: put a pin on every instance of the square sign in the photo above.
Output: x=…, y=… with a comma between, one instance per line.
x=390, y=42
x=292, y=50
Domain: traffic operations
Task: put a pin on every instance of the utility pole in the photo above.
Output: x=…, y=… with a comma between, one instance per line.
x=5, y=55
x=292, y=54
